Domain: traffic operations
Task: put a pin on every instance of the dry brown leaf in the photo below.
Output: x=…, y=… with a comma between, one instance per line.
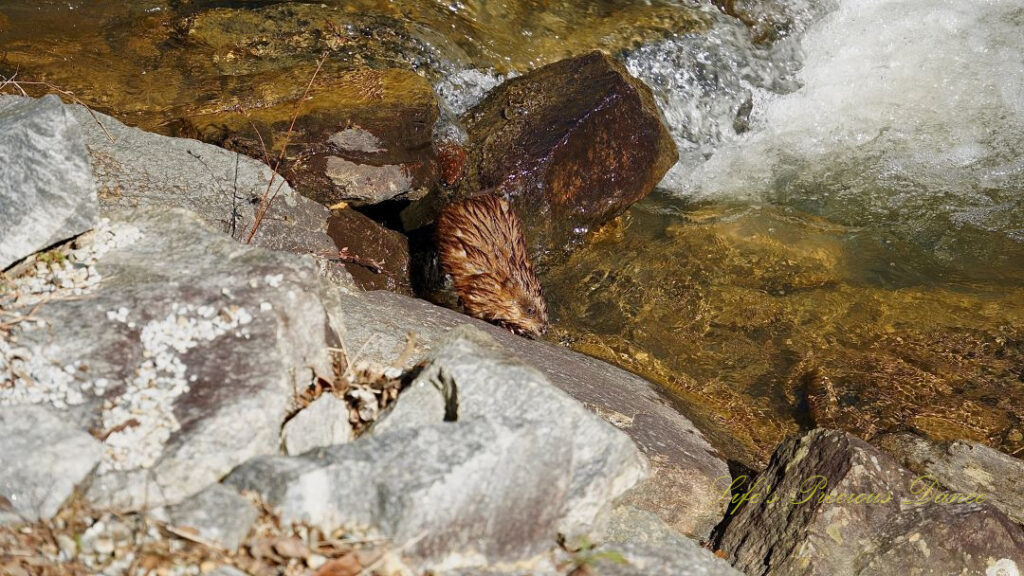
x=347, y=565
x=291, y=548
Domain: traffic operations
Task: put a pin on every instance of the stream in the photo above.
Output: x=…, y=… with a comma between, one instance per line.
x=840, y=245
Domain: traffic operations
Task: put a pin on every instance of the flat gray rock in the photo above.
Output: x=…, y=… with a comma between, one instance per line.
x=184, y=354
x=218, y=515
x=42, y=459
x=138, y=169
x=681, y=487
x=964, y=467
x=831, y=504
x=648, y=546
x=47, y=192
x=509, y=464
x=629, y=559
x=323, y=423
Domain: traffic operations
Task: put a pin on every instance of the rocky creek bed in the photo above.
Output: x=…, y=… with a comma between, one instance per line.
x=200, y=374
x=180, y=400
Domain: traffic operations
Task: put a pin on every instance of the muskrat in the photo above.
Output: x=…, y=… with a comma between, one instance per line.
x=483, y=249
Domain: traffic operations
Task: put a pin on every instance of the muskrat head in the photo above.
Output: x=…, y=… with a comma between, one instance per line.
x=527, y=314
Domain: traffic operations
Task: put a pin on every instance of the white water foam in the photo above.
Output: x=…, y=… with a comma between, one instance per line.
x=910, y=111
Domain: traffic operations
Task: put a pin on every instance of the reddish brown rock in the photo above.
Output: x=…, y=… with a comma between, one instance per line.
x=452, y=160
x=573, y=144
x=375, y=256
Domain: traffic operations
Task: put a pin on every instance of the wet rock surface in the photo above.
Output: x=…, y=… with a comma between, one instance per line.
x=377, y=258
x=46, y=186
x=683, y=468
x=573, y=144
x=42, y=460
x=360, y=137
x=186, y=334
x=841, y=506
x=477, y=484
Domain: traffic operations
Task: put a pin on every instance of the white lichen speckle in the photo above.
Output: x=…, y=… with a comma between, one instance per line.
x=1003, y=567
x=141, y=419
x=71, y=271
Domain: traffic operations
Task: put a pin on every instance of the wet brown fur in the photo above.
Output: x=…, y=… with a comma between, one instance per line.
x=483, y=248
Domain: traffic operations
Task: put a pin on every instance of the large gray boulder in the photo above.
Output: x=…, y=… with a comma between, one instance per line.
x=965, y=467
x=140, y=170
x=831, y=504
x=681, y=487
x=42, y=459
x=183, y=354
x=493, y=473
x=47, y=193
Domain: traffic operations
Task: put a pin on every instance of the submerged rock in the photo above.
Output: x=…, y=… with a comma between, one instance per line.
x=831, y=504
x=361, y=137
x=47, y=193
x=573, y=144
x=680, y=488
x=507, y=464
x=183, y=358
x=42, y=460
x=764, y=321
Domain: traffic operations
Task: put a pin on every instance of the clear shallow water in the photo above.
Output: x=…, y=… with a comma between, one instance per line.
x=852, y=259
x=840, y=244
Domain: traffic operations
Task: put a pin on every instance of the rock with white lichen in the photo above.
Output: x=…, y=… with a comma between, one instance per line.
x=182, y=354
x=831, y=504
x=47, y=193
x=507, y=464
x=42, y=459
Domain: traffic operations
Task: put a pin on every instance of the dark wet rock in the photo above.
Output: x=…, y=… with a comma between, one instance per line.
x=184, y=358
x=573, y=144
x=141, y=170
x=360, y=137
x=217, y=516
x=680, y=488
x=509, y=463
x=47, y=193
x=42, y=459
x=375, y=256
x=323, y=423
x=843, y=507
x=965, y=467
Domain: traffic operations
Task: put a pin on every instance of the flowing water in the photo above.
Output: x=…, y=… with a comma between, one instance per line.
x=841, y=243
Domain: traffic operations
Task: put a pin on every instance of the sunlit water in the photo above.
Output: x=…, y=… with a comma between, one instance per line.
x=840, y=244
